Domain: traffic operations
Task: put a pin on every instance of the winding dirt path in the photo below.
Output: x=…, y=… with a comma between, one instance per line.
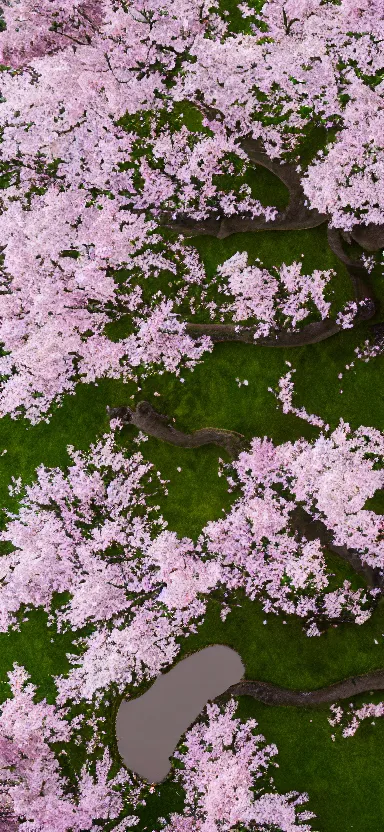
x=155, y=424
x=311, y=529
x=274, y=695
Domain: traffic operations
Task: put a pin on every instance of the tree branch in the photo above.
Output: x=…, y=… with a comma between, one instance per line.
x=296, y=212
x=312, y=333
x=368, y=236
x=295, y=217
x=222, y=227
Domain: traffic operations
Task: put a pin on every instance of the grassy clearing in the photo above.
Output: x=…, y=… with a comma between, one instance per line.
x=40, y=649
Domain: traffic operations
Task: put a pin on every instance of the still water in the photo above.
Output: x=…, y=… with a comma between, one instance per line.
x=148, y=728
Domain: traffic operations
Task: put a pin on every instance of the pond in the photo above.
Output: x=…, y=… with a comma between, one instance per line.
x=148, y=728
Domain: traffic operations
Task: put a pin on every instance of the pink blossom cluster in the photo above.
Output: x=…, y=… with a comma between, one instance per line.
x=78, y=75
x=335, y=51
x=347, y=315
x=224, y=761
x=344, y=599
x=65, y=524
x=285, y=397
x=314, y=35
x=32, y=787
x=345, y=180
x=30, y=34
x=259, y=547
x=277, y=298
x=152, y=31
x=368, y=351
x=334, y=477
x=183, y=176
x=88, y=531
x=54, y=309
x=365, y=352
x=355, y=716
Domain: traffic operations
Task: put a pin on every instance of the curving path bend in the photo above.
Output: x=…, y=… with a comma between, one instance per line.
x=156, y=424
x=274, y=695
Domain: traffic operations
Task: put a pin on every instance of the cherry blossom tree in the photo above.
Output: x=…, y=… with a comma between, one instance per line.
x=33, y=789
x=96, y=158
x=331, y=79
x=55, y=307
x=297, y=500
x=224, y=763
x=90, y=531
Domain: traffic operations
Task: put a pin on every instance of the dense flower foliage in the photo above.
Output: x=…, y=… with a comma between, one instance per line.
x=89, y=532
x=95, y=150
x=224, y=762
x=32, y=787
x=262, y=550
x=332, y=79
